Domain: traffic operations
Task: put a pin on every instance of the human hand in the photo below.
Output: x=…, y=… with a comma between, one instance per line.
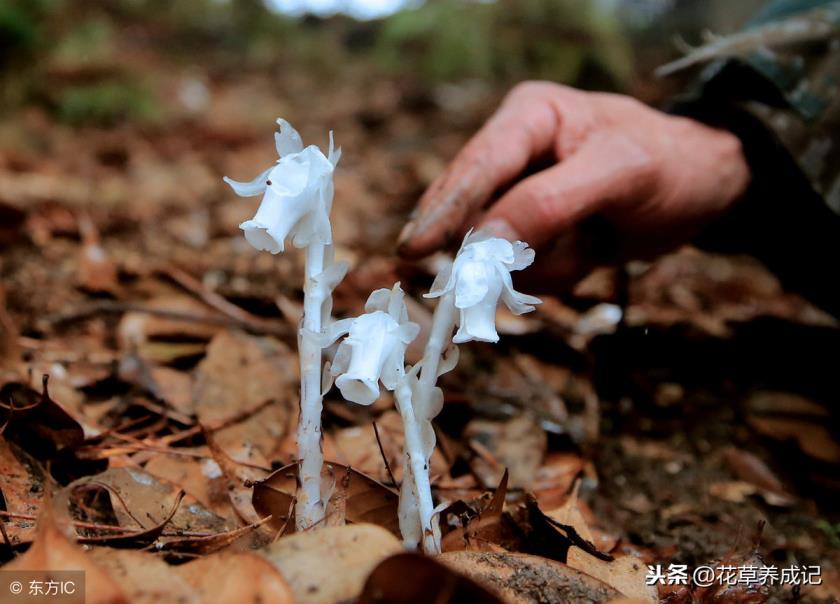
x=654, y=178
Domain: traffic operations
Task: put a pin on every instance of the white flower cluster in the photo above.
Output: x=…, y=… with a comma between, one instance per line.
x=297, y=199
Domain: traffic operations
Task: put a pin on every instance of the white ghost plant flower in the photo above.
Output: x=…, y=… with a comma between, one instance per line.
x=297, y=194
x=374, y=349
x=479, y=278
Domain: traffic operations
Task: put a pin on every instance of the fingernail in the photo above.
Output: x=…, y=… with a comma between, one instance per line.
x=406, y=232
x=499, y=227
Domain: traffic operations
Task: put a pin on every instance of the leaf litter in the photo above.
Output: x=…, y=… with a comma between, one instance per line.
x=162, y=442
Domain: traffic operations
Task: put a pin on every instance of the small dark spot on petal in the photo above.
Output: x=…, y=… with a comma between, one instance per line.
x=268, y=182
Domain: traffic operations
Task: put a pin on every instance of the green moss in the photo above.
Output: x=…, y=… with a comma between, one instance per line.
x=106, y=103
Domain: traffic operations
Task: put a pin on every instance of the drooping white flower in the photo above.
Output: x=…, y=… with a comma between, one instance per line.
x=297, y=194
x=374, y=349
x=479, y=277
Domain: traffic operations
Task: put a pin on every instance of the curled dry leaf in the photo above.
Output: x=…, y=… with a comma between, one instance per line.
x=361, y=499
x=330, y=565
x=488, y=530
x=236, y=578
x=415, y=579
x=21, y=491
x=526, y=579
x=52, y=550
x=140, y=501
x=37, y=423
x=144, y=577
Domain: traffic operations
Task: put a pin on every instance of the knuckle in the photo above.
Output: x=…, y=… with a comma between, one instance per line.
x=533, y=88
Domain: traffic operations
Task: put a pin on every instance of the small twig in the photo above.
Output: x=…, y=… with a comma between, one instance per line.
x=110, y=306
x=105, y=527
x=214, y=300
x=382, y=453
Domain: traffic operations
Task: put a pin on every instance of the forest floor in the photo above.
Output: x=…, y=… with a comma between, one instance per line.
x=697, y=431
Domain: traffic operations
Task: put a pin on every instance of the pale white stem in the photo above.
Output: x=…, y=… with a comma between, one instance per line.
x=440, y=335
x=416, y=459
x=310, y=508
x=443, y=322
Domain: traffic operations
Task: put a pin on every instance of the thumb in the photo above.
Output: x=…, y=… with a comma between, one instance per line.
x=602, y=171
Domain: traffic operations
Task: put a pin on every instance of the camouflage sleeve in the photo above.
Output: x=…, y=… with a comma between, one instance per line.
x=776, y=84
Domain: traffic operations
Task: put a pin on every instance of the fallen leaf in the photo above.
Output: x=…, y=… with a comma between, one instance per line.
x=517, y=445
x=525, y=579
x=231, y=577
x=21, y=491
x=626, y=574
x=571, y=513
x=490, y=529
x=52, y=551
x=199, y=476
x=144, y=577
x=363, y=499
x=140, y=501
x=356, y=447
x=240, y=373
x=409, y=578
x=813, y=438
x=330, y=565
x=37, y=423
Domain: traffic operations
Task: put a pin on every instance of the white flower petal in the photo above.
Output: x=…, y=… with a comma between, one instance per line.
x=442, y=284
x=517, y=302
x=252, y=188
x=333, y=154
x=523, y=256
x=286, y=139
x=358, y=389
x=257, y=234
x=472, y=282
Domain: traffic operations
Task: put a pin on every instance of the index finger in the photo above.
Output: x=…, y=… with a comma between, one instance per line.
x=522, y=128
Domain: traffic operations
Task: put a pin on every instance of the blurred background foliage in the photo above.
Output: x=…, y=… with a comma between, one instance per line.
x=69, y=56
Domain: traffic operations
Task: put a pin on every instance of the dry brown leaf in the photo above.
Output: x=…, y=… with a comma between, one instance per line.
x=236, y=578
x=39, y=424
x=241, y=373
x=330, y=565
x=21, y=490
x=410, y=578
x=813, y=438
x=201, y=477
x=142, y=501
x=574, y=512
x=52, y=551
x=517, y=445
x=625, y=574
x=361, y=499
x=357, y=447
x=144, y=577
x=526, y=579
x=490, y=530
x=555, y=478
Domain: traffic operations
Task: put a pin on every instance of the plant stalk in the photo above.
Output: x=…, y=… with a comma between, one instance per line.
x=310, y=509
